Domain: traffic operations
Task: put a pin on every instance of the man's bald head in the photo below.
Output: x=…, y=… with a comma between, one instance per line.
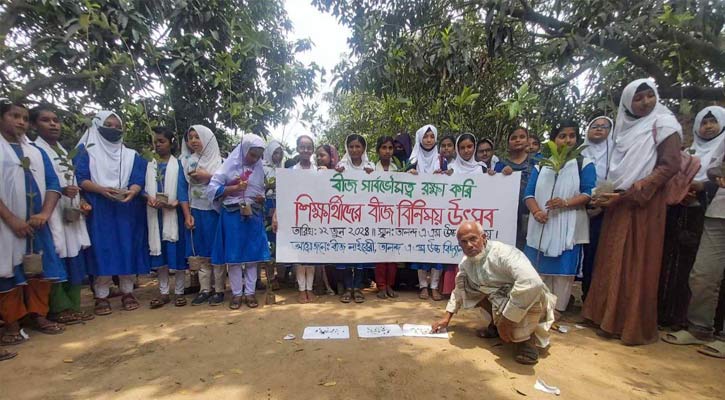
x=471, y=238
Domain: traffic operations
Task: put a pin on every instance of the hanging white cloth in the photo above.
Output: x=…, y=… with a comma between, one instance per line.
x=110, y=163
x=635, y=145
x=169, y=217
x=600, y=152
x=560, y=232
x=426, y=160
x=209, y=160
x=709, y=151
x=69, y=237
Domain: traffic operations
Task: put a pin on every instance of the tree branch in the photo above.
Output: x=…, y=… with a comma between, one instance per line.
x=45, y=81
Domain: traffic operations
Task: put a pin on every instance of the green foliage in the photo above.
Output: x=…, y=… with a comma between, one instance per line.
x=225, y=64
x=556, y=157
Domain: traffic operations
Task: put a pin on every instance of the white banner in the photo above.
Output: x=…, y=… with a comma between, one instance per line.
x=354, y=217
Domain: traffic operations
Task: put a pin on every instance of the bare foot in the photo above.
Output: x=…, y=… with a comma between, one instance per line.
x=302, y=297
x=311, y=296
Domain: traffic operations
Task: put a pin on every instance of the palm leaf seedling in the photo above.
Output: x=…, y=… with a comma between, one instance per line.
x=32, y=262
x=401, y=165
x=558, y=157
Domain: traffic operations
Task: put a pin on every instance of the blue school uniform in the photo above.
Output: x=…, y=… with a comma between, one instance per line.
x=239, y=239
x=53, y=268
x=173, y=254
x=568, y=262
x=205, y=226
x=117, y=230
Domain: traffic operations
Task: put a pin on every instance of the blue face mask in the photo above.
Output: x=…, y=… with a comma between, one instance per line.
x=113, y=135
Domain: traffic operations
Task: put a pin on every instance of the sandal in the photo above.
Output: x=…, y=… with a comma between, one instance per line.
x=681, y=338
x=84, y=316
x=48, y=327
x=180, y=301
x=102, y=307
x=251, y=301
x=713, y=349
x=7, y=355
x=382, y=294
x=526, y=353
x=358, y=296
x=235, y=303
x=11, y=339
x=160, y=302
x=129, y=302
x=391, y=293
x=302, y=297
x=66, y=317
x=346, y=297
x=490, y=332
x=436, y=295
x=423, y=295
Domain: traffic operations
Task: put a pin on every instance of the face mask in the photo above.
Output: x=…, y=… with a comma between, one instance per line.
x=400, y=155
x=113, y=135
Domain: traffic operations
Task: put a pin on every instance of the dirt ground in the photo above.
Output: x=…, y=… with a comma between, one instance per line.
x=204, y=352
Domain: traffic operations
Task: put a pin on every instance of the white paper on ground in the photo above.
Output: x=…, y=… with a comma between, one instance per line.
x=542, y=386
x=413, y=330
x=379, y=331
x=326, y=332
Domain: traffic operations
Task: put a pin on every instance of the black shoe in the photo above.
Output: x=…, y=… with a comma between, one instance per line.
x=216, y=299
x=201, y=298
x=192, y=289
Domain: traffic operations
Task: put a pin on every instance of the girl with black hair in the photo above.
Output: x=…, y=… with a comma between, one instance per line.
x=166, y=192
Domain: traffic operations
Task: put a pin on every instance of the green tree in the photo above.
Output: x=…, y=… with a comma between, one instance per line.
x=226, y=64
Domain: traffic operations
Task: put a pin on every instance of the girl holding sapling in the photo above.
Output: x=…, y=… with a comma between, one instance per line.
x=200, y=158
x=559, y=224
x=355, y=159
x=237, y=190
x=70, y=234
x=29, y=192
x=112, y=176
x=166, y=193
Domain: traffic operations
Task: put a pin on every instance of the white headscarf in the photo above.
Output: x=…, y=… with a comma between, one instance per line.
x=272, y=146
x=110, y=163
x=426, y=160
x=710, y=151
x=210, y=160
x=461, y=166
x=69, y=238
x=599, y=152
x=635, y=144
x=234, y=168
x=347, y=160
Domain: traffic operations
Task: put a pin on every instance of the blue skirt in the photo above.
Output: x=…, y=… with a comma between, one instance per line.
x=426, y=266
x=173, y=254
x=205, y=225
x=566, y=264
x=76, y=268
x=53, y=267
x=240, y=239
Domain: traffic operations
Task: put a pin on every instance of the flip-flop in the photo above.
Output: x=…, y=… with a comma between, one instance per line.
x=53, y=328
x=7, y=355
x=713, y=349
x=681, y=338
x=11, y=339
x=526, y=354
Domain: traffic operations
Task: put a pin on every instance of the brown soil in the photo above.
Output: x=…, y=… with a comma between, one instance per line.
x=204, y=352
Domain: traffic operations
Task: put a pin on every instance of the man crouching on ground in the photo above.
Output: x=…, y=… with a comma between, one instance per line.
x=501, y=280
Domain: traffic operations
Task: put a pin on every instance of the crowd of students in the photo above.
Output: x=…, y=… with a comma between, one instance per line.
x=101, y=213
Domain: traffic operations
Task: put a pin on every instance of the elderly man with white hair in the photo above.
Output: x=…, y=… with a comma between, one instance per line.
x=500, y=280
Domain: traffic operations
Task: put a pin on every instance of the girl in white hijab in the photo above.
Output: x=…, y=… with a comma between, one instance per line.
x=112, y=175
x=424, y=156
x=646, y=156
x=201, y=158
x=685, y=221
x=599, y=144
x=466, y=146
x=237, y=190
x=356, y=155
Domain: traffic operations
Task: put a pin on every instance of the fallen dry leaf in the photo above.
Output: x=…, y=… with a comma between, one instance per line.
x=68, y=360
x=218, y=376
x=329, y=384
x=236, y=371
